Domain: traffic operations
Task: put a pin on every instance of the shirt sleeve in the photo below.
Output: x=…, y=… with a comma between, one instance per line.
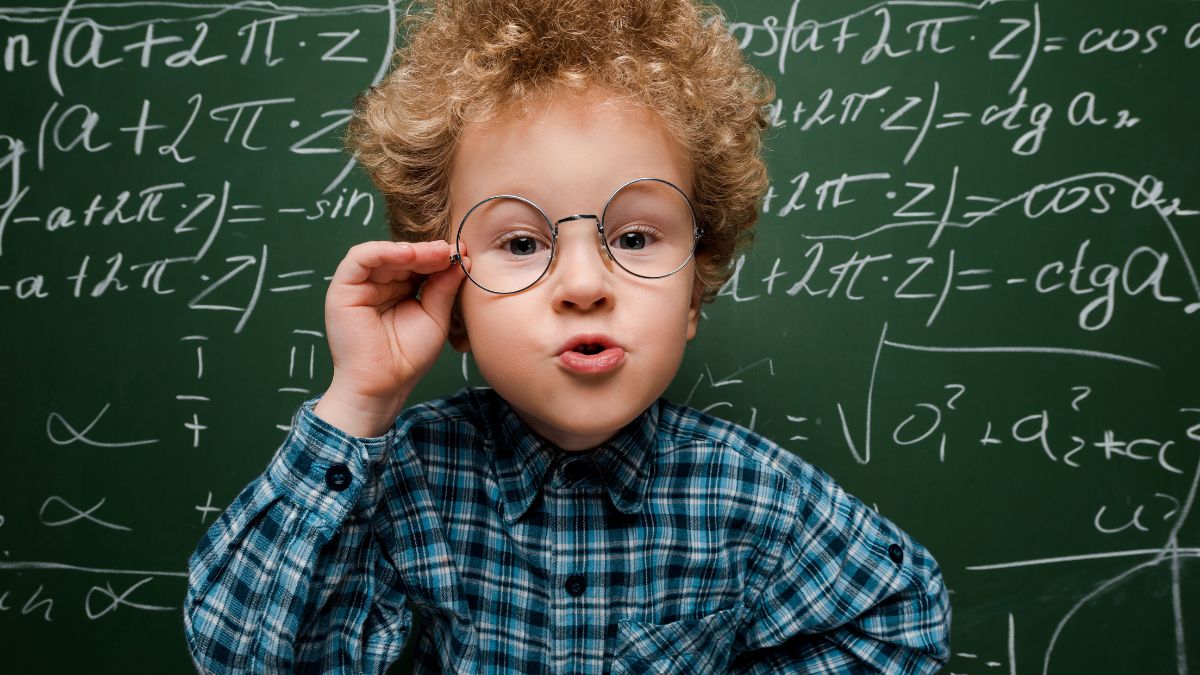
x=290, y=578
x=852, y=593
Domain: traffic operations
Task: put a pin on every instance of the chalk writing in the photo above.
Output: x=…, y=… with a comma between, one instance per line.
x=972, y=299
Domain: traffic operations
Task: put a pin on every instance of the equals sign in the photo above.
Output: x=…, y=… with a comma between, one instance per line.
x=243, y=207
x=985, y=200
x=957, y=117
x=1056, y=46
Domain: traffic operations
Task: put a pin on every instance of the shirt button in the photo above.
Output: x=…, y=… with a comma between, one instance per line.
x=896, y=553
x=576, y=584
x=337, y=477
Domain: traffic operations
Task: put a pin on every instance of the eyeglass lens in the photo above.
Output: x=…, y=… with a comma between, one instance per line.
x=648, y=228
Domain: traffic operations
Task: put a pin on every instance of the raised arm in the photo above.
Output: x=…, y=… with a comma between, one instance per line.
x=291, y=578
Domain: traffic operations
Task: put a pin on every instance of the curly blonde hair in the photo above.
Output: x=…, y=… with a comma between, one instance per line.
x=467, y=61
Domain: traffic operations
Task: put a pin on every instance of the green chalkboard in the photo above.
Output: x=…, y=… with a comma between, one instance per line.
x=973, y=300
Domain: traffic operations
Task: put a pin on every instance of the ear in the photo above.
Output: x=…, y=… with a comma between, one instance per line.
x=694, y=308
x=457, y=336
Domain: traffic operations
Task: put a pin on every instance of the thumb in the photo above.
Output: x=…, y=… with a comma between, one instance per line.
x=438, y=293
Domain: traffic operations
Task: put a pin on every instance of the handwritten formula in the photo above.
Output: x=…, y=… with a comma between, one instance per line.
x=972, y=299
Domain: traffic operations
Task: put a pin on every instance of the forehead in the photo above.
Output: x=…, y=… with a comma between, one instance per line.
x=570, y=151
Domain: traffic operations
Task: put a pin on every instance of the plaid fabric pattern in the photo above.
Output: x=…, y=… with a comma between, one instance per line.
x=686, y=544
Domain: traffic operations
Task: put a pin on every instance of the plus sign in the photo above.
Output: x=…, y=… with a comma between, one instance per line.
x=196, y=427
x=207, y=508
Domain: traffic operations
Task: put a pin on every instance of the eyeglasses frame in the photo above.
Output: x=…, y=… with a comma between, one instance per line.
x=697, y=232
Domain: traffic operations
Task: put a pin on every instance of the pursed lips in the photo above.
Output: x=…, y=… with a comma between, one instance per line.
x=589, y=343
x=591, y=353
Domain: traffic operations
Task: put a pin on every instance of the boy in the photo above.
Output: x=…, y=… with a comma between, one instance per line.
x=571, y=180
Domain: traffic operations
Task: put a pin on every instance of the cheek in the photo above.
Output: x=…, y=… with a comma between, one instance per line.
x=496, y=325
x=669, y=326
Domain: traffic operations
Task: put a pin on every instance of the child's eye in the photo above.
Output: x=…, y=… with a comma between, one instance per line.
x=520, y=244
x=632, y=240
x=636, y=237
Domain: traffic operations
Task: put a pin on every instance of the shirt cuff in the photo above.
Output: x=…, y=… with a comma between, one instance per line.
x=323, y=469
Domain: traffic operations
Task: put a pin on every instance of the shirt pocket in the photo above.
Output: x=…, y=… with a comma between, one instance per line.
x=693, y=645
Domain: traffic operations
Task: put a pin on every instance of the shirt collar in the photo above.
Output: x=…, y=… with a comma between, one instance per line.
x=522, y=459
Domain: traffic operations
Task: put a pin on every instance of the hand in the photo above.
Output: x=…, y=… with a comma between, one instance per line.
x=382, y=336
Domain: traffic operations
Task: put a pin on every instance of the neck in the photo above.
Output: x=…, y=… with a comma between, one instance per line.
x=570, y=441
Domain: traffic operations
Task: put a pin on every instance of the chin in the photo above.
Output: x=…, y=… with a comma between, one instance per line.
x=577, y=419
x=581, y=418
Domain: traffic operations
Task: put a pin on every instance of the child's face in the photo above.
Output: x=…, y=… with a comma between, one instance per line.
x=568, y=157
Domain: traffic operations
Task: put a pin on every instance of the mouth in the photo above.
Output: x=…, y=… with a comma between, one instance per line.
x=591, y=353
x=589, y=349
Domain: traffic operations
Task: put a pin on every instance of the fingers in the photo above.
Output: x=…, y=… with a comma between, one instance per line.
x=386, y=261
x=439, y=291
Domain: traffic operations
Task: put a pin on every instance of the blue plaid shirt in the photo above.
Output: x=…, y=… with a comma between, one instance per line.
x=686, y=544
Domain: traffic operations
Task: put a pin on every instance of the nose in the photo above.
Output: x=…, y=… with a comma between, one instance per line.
x=582, y=275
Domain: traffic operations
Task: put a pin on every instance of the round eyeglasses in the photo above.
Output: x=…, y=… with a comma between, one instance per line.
x=648, y=228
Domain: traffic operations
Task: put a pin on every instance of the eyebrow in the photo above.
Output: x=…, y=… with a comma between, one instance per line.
x=521, y=189
x=526, y=190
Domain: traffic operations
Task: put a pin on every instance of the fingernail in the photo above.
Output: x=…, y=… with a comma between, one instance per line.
x=403, y=245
